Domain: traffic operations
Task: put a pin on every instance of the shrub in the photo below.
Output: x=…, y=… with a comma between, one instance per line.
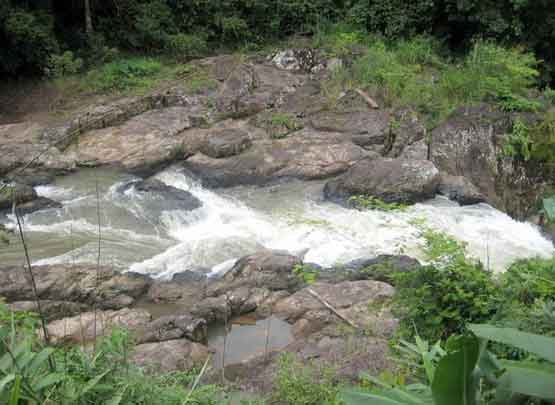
x=63, y=65
x=530, y=279
x=306, y=273
x=366, y=202
x=184, y=46
x=439, y=299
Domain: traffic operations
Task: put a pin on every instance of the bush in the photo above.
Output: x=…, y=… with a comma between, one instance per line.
x=63, y=65
x=528, y=280
x=185, y=46
x=439, y=299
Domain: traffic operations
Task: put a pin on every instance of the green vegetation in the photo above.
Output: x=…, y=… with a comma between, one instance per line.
x=298, y=384
x=464, y=372
x=306, y=273
x=31, y=373
x=413, y=72
x=279, y=125
x=439, y=299
x=367, y=202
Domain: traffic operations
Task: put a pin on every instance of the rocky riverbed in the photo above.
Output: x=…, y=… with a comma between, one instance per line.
x=208, y=201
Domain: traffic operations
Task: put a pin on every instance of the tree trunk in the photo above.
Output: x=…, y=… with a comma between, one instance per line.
x=88, y=18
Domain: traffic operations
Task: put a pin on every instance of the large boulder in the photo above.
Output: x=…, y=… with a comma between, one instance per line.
x=306, y=155
x=143, y=143
x=470, y=144
x=390, y=180
x=168, y=356
x=235, y=95
x=88, y=284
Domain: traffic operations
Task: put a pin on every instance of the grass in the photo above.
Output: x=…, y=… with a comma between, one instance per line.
x=417, y=73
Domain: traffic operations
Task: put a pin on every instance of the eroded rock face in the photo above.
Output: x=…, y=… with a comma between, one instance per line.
x=390, y=180
x=469, y=144
x=171, y=355
x=296, y=59
x=74, y=283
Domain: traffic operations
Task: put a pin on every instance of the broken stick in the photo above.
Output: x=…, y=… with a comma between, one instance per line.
x=332, y=309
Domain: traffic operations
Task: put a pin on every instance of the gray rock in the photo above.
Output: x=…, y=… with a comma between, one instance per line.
x=226, y=143
x=22, y=193
x=460, y=189
x=174, y=327
x=391, y=180
x=171, y=355
x=174, y=198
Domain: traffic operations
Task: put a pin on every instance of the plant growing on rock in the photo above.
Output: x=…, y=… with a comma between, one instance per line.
x=367, y=202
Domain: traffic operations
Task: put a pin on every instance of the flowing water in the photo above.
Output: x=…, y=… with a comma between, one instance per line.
x=139, y=234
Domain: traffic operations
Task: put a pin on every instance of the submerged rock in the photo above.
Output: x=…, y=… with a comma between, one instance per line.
x=173, y=198
x=390, y=180
x=21, y=193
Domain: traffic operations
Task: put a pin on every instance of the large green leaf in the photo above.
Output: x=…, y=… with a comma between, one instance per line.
x=393, y=396
x=5, y=381
x=16, y=391
x=542, y=346
x=454, y=382
x=527, y=378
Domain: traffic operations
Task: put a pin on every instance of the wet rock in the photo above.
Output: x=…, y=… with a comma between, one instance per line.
x=77, y=283
x=171, y=355
x=460, y=189
x=21, y=193
x=390, y=180
x=226, y=143
x=51, y=309
x=187, y=276
x=40, y=203
x=187, y=292
x=174, y=327
x=82, y=328
x=306, y=155
x=174, y=198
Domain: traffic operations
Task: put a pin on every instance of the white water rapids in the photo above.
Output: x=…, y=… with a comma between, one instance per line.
x=138, y=234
